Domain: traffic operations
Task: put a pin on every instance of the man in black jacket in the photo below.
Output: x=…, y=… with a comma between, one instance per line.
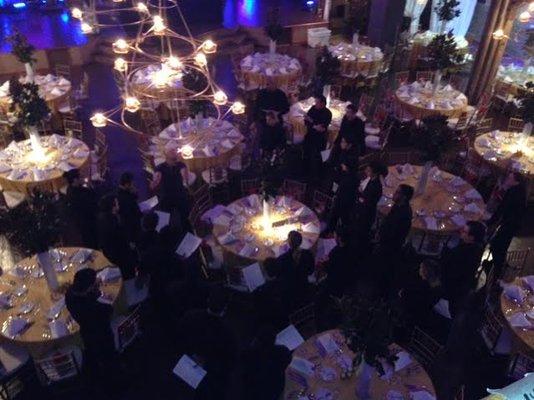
x=271, y=99
x=130, y=212
x=272, y=135
x=509, y=218
x=396, y=225
x=460, y=264
x=317, y=121
x=351, y=125
x=81, y=203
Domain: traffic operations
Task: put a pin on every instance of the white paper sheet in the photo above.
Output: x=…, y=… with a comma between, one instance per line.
x=189, y=371
x=253, y=276
x=289, y=337
x=164, y=219
x=302, y=366
x=148, y=204
x=403, y=361
x=328, y=344
x=188, y=245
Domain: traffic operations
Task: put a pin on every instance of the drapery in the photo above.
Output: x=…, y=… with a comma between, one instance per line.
x=414, y=9
x=459, y=25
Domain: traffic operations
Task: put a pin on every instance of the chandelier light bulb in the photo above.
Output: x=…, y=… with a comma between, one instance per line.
x=524, y=17
x=209, y=46
x=99, y=120
x=187, y=151
x=238, y=108
x=161, y=78
x=86, y=28
x=118, y=1
x=120, y=46
x=120, y=64
x=498, y=34
x=531, y=7
x=201, y=60
x=158, y=26
x=174, y=62
x=141, y=7
x=131, y=104
x=220, y=98
x=76, y=13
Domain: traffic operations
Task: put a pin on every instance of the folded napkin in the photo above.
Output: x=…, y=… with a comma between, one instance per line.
x=82, y=255
x=447, y=88
x=16, y=174
x=56, y=309
x=65, y=166
x=62, y=81
x=431, y=223
x=4, y=168
x=255, y=68
x=302, y=366
x=447, y=105
x=457, y=181
x=484, y=142
x=514, y=293
x=431, y=105
x=269, y=72
x=421, y=395
x=80, y=153
x=490, y=154
x=15, y=326
x=207, y=150
x=327, y=374
x=472, y=208
x=25, y=308
x=458, y=220
x=283, y=70
x=310, y=227
x=58, y=329
x=413, y=100
x=519, y=320
x=49, y=78
x=228, y=144
x=6, y=300
x=529, y=281
x=472, y=194
x=227, y=238
x=247, y=251
x=407, y=169
x=56, y=91
x=109, y=274
x=39, y=174
x=428, y=85
x=495, y=134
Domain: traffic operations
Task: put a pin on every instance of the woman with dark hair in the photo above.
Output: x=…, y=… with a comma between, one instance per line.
x=113, y=238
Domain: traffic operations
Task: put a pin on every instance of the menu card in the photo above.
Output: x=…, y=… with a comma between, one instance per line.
x=189, y=371
x=253, y=276
x=149, y=204
x=163, y=221
x=289, y=337
x=188, y=245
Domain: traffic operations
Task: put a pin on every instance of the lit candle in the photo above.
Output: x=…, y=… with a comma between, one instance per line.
x=238, y=108
x=99, y=120
x=498, y=34
x=201, y=60
x=187, y=151
x=76, y=13
x=120, y=64
x=174, y=62
x=158, y=26
x=86, y=28
x=161, y=78
x=220, y=98
x=209, y=46
x=524, y=17
x=120, y=46
x=141, y=7
x=131, y=104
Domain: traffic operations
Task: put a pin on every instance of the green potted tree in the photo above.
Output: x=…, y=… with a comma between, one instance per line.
x=29, y=109
x=23, y=51
x=447, y=10
x=444, y=55
x=274, y=30
x=327, y=68
x=368, y=328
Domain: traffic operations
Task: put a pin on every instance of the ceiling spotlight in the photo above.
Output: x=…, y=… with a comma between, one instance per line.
x=99, y=120
x=120, y=46
x=238, y=108
x=201, y=60
x=220, y=98
x=76, y=13
x=131, y=104
x=209, y=46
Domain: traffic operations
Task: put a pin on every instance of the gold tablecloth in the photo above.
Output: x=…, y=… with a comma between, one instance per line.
x=37, y=337
x=441, y=200
x=258, y=68
x=511, y=80
x=503, y=150
x=54, y=179
x=357, y=59
x=221, y=137
x=298, y=111
x=240, y=232
x=446, y=101
x=52, y=88
x=522, y=339
x=411, y=377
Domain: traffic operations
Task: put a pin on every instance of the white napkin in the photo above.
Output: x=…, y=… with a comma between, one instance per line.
x=495, y=134
x=404, y=360
x=58, y=329
x=16, y=174
x=457, y=181
x=62, y=81
x=246, y=251
x=514, y=293
x=458, y=220
x=15, y=326
x=310, y=227
x=529, y=280
x=253, y=277
x=39, y=174
x=283, y=70
x=473, y=195
x=56, y=91
x=65, y=166
x=431, y=223
x=109, y=274
x=327, y=343
x=407, y=169
x=484, y=142
x=56, y=308
x=188, y=245
x=227, y=238
x=228, y=144
x=442, y=308
x=207, y=151
x=148, y=204
x=447, y=88
x=413, y=100
x=490, y=154
x=428, y=85
x=82, y=255
x=302, y=366
x=431, y=105
x=421, y=395
x=519, y=320
x=163, y=220
x=289, y=337
x=472, y=208
x=189, y=371
x=80, y=153
x=222, y=220
x=269, y=72
x=4, y=168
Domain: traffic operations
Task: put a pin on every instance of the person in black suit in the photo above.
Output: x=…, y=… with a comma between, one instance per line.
x=369, y=195
x=81, y=202
x=351, y=125
x=268, y=298
x=81, y=299
x=508, y=218
x=263, y=365
x=397, y=224
x=130, y=212
x=294, y=267
x=317, y=121
x=345, y=174
x=271, y=99
x=460, y=264
x=273, y=136
x=113, y=238
x=341, y=266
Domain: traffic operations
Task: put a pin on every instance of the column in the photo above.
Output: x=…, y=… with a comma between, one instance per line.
x=501, y=15
x=385, y=20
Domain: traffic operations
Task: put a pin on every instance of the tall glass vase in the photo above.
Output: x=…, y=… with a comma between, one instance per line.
x=327, y=91
x=272, y=46
x=30, y=75
x=437, y=80
x=364, y=375
x=50, y=274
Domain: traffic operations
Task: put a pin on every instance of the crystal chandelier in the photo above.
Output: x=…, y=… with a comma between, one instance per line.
x=154, y=67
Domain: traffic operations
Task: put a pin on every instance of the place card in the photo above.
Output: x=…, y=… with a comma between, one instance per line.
x=253, y=276
x=327, y=343
x=163, y=221
x=189, y=371
x=442, y=308
x=149, y=204
x=290, y=338
x=302, y=366
x=188, y=245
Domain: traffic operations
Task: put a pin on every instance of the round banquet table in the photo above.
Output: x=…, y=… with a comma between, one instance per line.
x=522, y=339
x=54, y=89
x=142, y=84
x=37, y=337
x=298, y=111
x=511, y=80
x=239, y=230
x=503, y=150
x=212, y=144
x=410, y=378
x=418, y=99
x=21, y=172
x=257, y=68
x=357, y=59
x=444, y=200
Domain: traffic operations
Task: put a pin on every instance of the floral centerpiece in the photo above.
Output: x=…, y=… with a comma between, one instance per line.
x=23, y=51
x=274, y=30
x=444, y=56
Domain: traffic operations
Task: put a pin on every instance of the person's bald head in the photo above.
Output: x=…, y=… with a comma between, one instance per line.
x=171, y=156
